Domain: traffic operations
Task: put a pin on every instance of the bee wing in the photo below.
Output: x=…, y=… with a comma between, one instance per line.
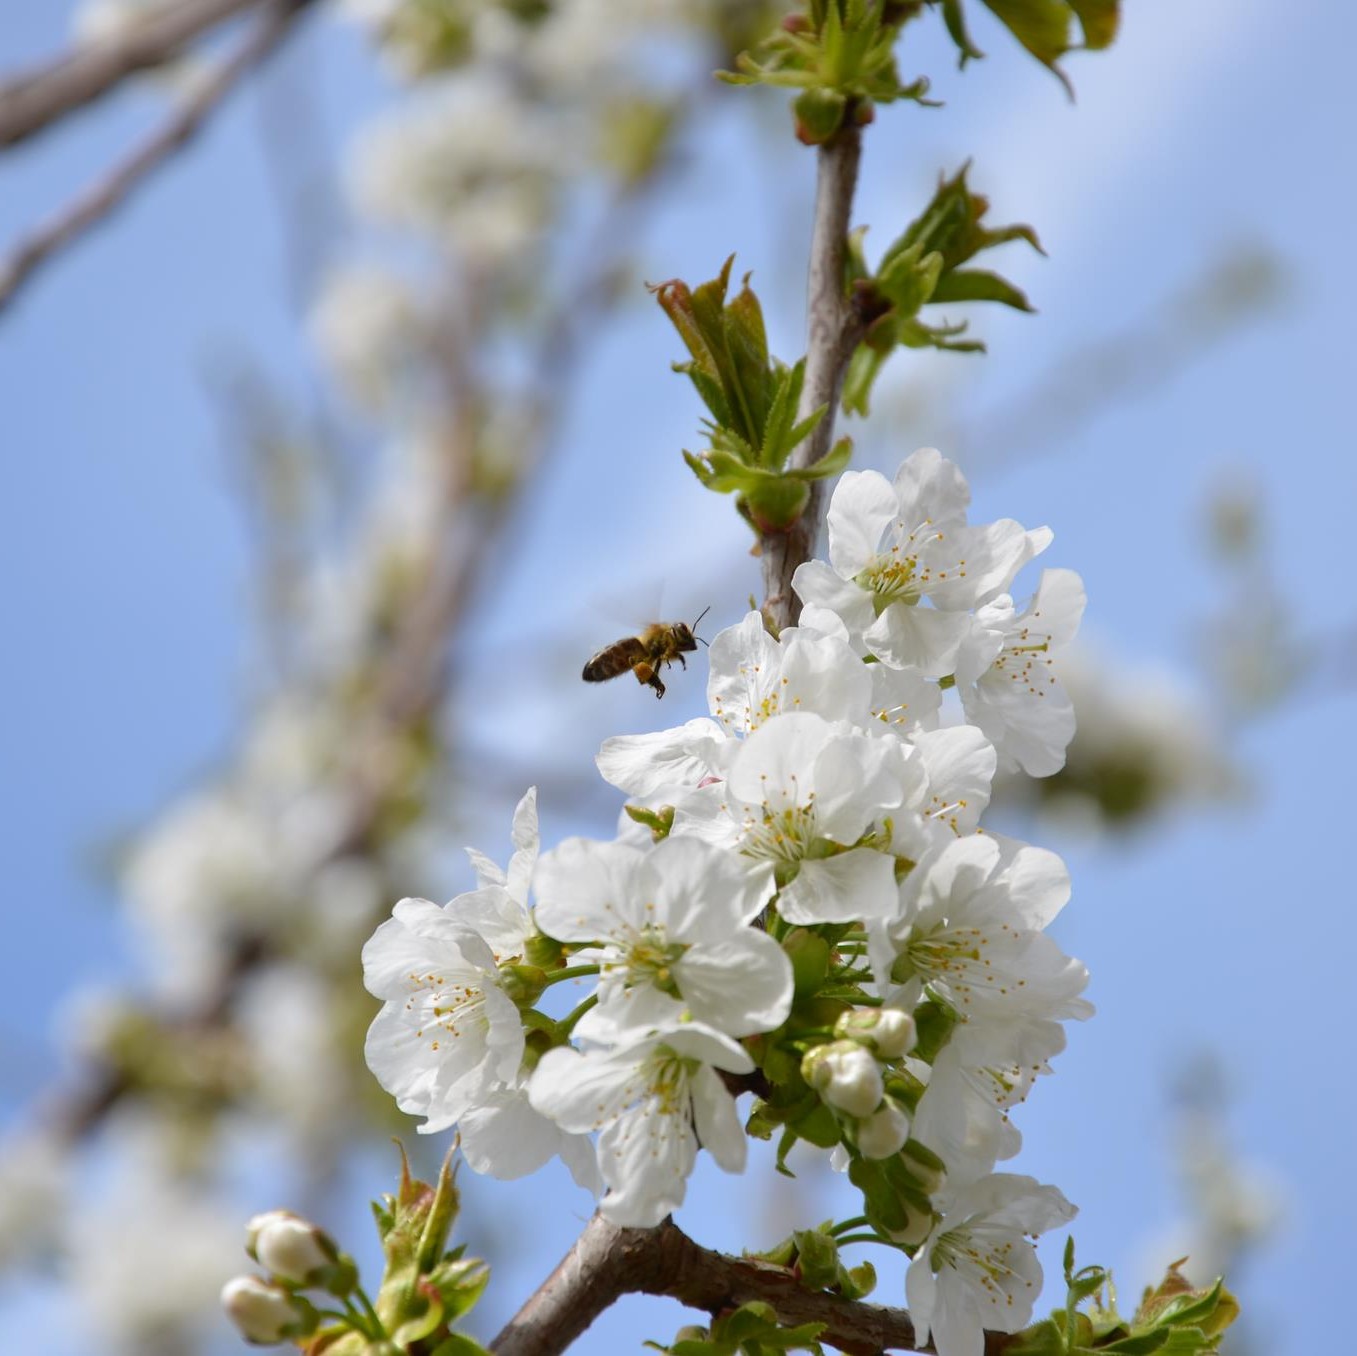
x=631, y=608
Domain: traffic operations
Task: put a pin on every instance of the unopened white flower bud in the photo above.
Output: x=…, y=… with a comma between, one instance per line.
x=886, y=1032
x=266, y=1314
x=846, y=1075
x=290, y=1247
x=884, y=1132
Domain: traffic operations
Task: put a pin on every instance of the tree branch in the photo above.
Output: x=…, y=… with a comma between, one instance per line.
x=607, y=1262
x=108, y=192
x=36, y=99
x=833, y=328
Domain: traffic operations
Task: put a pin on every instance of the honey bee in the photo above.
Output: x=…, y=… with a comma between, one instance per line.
x=660, y=643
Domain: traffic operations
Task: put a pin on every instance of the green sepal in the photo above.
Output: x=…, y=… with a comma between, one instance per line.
x=424, y=1286
x=978, y=284
x=1041, y=1339
x=459, y=1344
x=523, y=985
x=809, y=955
x=934, y=1022
x=659, y=822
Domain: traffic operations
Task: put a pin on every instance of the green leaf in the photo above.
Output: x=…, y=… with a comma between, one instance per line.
x=746, y=344
x=956, y=27
x=976, y=284
x=834, y=461
x=863, y=369
x=1041, y=1339
x=1042, y=26
x=1099, y=20
x=699, y=468
x=458, y=1344
x=777, y=428
x=818, y=1259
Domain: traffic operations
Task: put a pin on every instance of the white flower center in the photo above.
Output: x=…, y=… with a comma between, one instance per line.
x=1025, y=661
x=455, y=1009
x=987, y=1262
x=760, y=705
x=781, y=834
x=910, y=568
x=960, y=957
x=645, y=955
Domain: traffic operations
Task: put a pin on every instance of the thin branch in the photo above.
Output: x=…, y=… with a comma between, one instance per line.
x=107, y=193
x=607, y=1262
x=832, y=331
x=35, y=99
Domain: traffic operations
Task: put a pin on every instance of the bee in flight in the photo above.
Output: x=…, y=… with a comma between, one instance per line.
x=660, y=643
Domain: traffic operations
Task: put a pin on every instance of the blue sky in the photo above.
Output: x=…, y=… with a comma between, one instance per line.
x=1210, y=126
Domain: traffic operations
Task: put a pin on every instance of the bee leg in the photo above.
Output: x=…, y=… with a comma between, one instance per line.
x=684, y=662
x=656, y=683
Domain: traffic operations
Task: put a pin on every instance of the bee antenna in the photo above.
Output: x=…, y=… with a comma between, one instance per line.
x=698, y=622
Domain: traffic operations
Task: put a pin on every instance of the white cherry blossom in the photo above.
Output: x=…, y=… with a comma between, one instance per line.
x=977, y=1269
x=891, y=547
x=671, y=925
x=987, y=1067
x=653, y=1102
x=447, y=1033
x=755, y=677
x=970, y=928
x=1016, y=697
x=803, y=794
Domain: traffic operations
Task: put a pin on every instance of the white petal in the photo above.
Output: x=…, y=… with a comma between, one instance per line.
x=586, y=891
x=645, y=1157
x=920, y=1292
x=580, y=1092
x=741, y=987
x=922, y=638
x=505, y=1137
x=929, y=487
x=718, y=1122
x=703, y=892
x=861, y=509
x=854, y=885
x=773, y=763
x=647, y=764
x=526, y=840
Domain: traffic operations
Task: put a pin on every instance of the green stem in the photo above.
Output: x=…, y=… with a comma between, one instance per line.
x=371, y=1311
x=865, y=1238
x=571, y=972
x=567, y=1024
x=853, y=1223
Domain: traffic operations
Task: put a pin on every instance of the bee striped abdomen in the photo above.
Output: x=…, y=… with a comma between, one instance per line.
x=615, y=659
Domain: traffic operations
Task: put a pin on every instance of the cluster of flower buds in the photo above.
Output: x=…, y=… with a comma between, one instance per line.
x=298, y=1256
x=799, y=903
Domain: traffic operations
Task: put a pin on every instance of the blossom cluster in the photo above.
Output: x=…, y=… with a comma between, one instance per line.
x=799, y=903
